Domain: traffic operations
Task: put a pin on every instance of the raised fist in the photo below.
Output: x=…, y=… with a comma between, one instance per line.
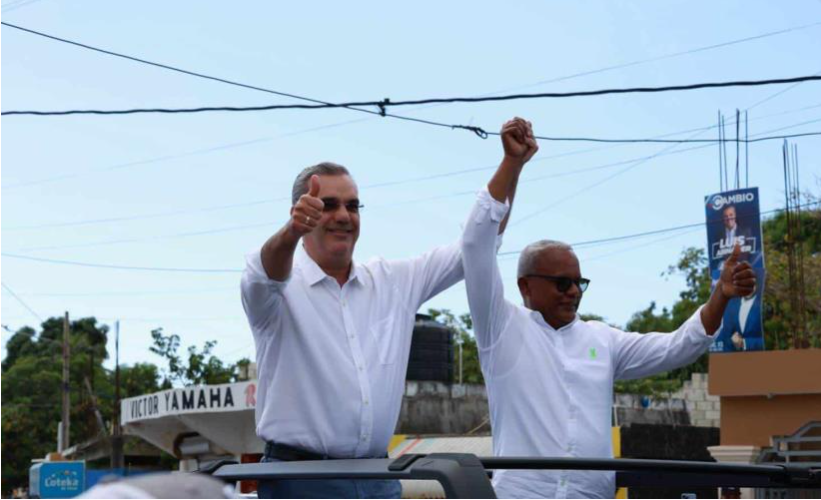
x=518, y=140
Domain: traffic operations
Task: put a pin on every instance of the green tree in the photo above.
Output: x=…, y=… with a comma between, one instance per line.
x=200, y=367
x=139, y=378
x=463, y=326
x=778, y=309
x=31, y=391
x=779, y=313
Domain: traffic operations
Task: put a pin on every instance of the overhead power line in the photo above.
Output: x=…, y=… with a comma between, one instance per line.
x=654, y=232
x=381, y=185
x=229, y=146
x=671, y=55
x=386, y=103
x=29, y=309
x=286, y=94
x=631, y=163
x=124, y=268
x=217, y=79
x=223, y=271
x=668, y=141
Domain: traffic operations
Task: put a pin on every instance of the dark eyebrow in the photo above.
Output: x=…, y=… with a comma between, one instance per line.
x=331, y=198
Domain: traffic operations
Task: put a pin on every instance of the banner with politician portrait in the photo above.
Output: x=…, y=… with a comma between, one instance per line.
x=733, y=217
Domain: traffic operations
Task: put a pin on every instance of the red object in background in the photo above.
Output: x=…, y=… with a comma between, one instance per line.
x=249, y=458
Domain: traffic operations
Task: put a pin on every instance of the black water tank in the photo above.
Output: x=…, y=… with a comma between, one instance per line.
x=431, y=354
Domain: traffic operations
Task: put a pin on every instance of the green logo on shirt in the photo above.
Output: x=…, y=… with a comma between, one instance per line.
x=593, y=353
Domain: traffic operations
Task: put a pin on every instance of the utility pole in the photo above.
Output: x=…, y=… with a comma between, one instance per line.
x=65, y=423
x=117, y=461
x=460, y=341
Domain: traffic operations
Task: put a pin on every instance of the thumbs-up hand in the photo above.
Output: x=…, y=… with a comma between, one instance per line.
x=737, y=278
x=307, y=212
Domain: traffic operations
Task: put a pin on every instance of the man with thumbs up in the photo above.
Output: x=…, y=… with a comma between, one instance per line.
x=549, y=374
x=333, y=335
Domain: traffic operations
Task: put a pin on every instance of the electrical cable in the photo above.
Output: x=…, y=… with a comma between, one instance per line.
x=632, y=163
x=217, y=79
x=662, y=57
x=566, y=77
x=255, y=141
x=378, y=185
x=652, y=233
x=29, y=309
x=663, y=151
x=158, y=159
x=137, y=293
x=220, y=271
x=124, y=268
x=382, y=105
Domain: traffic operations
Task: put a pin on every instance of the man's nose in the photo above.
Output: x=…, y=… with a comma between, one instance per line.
x=341, y=214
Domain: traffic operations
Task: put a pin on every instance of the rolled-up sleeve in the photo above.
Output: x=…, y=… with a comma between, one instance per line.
x=482, y=278
x=261, y=296
x=641, y=355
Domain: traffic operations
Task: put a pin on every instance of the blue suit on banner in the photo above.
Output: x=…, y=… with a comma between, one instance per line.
x=742, y=317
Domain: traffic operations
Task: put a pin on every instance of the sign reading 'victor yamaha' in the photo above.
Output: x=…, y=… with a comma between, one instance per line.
x=194, y=399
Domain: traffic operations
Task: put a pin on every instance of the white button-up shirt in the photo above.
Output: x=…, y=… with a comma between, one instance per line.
x=332, y=360
x=551, y=391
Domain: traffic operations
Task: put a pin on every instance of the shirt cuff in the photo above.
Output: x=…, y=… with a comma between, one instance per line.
x=255, y=271
x=696, y=327
x=498, y=210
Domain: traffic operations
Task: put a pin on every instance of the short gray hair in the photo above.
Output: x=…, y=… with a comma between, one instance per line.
x=304, y=177
x=527, y=259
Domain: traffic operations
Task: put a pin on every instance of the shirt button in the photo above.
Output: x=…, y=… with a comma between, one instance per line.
x=344, y=303
x=366, y=402
x=360, y=367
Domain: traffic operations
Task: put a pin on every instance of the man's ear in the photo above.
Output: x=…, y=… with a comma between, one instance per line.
x=524, y=289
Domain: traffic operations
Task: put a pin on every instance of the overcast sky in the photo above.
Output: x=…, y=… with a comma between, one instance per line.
x=198, y=191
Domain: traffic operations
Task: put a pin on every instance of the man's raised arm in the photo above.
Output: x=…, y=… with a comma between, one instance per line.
x=487, y=220
x=278, y=252
x=642, y=355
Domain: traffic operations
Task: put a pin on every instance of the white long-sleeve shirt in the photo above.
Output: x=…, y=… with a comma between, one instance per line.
x=332, y=360
x=551, y=391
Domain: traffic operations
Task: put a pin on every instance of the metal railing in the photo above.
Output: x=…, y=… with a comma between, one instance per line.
x=466, y=476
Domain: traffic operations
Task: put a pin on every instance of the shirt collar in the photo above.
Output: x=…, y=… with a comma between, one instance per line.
x=537, y=316
x=311, y=271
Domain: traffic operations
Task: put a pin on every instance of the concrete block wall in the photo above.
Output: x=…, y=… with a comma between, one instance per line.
x=704, y=409
x=439, y=408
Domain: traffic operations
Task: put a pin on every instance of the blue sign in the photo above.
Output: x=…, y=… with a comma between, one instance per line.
x=57, y=479
x=733, y=217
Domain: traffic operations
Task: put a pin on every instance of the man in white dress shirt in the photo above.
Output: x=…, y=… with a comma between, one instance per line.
x=550, y=375
x=332, y=335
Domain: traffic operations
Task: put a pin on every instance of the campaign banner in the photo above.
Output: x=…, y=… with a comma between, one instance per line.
x=733, y=217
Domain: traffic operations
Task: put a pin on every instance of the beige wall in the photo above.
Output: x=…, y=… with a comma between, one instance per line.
x=765, y=394
x=752, y=420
